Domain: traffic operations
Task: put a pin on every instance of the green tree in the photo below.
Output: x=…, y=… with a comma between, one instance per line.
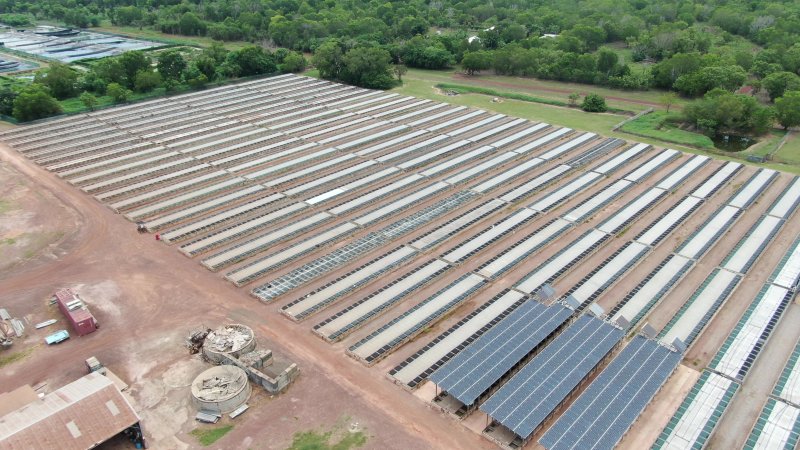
x=191, y=25
x=35, y=102
x=368, y=67
x=207, y=66
x=720, y=111
x=133, y=63
x=60, y=79
x=7, y=97
x=591, y=37
x=109, y=70
x=474, y=62
x=668, y=99
x=294, y=62
x=146, y=81
x=127, y=15
x=787, y=109
x=779, y=82
x=573, y=98
x=607, y=60
x=216, y=51
x=253, y=60
x=594, y=103
x=399, y=70
x=117, y=92
x=706, y=79
x=171, y=65
x=329, y=60
x=412, y=26
x=89, y=100
x=194, y=77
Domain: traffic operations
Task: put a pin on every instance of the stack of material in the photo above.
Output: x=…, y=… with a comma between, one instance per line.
x=228, y=339
x=215, y=387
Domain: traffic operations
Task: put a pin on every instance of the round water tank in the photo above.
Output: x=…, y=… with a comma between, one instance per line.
x=230, y=340
x=221, y=389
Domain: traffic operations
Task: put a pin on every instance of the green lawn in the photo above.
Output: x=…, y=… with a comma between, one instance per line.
x=654, y=125
x=74, y=105
x=766, y=144
x=157, y=36
x=207, y=436
x=312, y=440
x=630, y=100
x=421, y=83
x=790, y=152
x=573, y=118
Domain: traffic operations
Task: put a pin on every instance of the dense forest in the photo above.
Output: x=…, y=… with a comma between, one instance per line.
x=692, y=47
x=696, y=45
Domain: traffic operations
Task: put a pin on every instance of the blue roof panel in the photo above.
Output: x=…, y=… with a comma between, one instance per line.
x=524, y=403
x=479, y=366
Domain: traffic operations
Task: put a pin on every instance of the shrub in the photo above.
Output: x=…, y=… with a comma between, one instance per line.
x=594, y=103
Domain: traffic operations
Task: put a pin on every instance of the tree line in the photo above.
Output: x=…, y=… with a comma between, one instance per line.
x=137, y=72
x=696, y=45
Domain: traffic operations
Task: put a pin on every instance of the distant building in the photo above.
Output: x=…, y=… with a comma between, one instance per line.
x=80, y=415
x=548, y=36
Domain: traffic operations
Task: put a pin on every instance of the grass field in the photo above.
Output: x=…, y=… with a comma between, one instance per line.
x=654, y=125
x=157, y=36
x=312, y=440
x=74, y=105
x=207, y=436
x=556, y=90
x=534, y=111
x=790, y=152
x=421, y=83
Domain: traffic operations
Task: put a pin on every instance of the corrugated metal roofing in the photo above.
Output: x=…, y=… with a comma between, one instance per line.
x=80, y=415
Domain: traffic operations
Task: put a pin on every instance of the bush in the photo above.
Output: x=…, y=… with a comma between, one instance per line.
x=35, y=102
x=294, y=62
x=594, y=103
x=88, y=100
x=146, y=81
x=723, y=112
x=117, y=92
x=60, y=79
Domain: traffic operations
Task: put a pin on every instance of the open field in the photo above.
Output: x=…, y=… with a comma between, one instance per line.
x=556, y=90
x=157, y=36
x=421, y=83
x=383, y=241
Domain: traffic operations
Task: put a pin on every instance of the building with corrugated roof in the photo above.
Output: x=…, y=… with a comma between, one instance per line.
x=80, y=415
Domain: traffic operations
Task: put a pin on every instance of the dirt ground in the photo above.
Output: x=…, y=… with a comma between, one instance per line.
x=32, y=223
x=147, y=298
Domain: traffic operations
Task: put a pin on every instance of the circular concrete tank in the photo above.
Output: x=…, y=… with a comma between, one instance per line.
x=230, y=340
x=221, y=389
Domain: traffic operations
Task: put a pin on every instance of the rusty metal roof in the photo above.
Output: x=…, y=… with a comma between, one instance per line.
x=80, y=415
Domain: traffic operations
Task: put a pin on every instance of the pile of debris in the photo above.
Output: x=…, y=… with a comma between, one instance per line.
x=10, y=328
x=211, y=389
x=195, y=340
x=228, y=339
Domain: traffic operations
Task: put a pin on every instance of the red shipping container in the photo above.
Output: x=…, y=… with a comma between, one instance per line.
x=83, y=322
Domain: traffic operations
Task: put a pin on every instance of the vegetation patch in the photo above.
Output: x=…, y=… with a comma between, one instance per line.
x=657, y=125
x=313, y=440
x=16, y=356
x=207, y=436
x=5, y=206
x=462, y=89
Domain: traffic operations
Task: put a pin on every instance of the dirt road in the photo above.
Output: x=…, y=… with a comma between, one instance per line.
x=147, y=297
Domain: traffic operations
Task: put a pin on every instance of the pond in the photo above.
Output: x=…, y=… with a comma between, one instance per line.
x=732, y=142
x=80, y=45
